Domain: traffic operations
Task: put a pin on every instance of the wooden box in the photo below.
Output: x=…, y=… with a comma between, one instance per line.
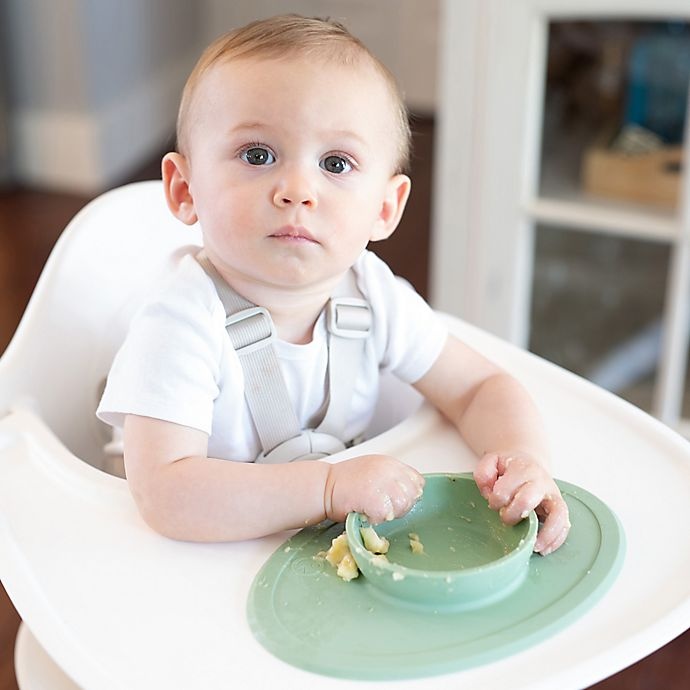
x=646, y=178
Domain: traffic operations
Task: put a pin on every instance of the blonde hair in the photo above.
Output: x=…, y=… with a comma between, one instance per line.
x=293, y=35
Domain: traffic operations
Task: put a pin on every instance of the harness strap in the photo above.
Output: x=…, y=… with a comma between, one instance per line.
x=252, y=334
x=349, y=324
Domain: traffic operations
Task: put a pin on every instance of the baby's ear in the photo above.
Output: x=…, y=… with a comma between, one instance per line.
x=396, y=195
x=175, y=172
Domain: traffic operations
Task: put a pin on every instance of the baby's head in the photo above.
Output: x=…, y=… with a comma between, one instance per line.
x=288, y=37
x=291, y=142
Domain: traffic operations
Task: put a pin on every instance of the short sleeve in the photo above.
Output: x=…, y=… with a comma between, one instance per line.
x=409, y=335
x=168, y=366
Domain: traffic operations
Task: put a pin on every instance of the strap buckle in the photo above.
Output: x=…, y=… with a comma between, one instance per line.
x=349, y=317
x=308, y=445
x=250, y=329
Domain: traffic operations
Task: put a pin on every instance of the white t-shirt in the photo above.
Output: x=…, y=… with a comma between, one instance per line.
x=177, y=363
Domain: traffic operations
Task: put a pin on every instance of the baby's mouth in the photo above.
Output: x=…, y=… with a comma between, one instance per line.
x=294, y=233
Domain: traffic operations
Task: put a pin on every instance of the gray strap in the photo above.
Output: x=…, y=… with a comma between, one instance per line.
x=349, y=324
x=251, y=333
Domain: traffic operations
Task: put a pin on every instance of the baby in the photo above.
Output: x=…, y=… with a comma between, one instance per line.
x=293, y=140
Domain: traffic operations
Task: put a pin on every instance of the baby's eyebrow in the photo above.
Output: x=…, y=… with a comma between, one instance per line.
x=248, y=127
x=344, y=134
x=337, y=137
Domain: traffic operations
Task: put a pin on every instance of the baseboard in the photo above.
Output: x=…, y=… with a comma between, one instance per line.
x=87, y=152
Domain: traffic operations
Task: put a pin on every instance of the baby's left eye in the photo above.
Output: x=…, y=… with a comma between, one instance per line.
x=336, y=164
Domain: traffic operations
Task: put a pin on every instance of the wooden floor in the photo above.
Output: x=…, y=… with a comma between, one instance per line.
x=32, y=220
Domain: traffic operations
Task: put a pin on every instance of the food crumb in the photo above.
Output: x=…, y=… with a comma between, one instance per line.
x=339, y=548
x=340, y=557
x=347, y=568
x=415, y=544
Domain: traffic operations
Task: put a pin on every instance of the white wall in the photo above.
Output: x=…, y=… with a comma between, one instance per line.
x=402, y=33
x=92, y=86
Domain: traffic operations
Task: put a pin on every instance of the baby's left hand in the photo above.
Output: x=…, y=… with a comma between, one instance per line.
x=515, y=485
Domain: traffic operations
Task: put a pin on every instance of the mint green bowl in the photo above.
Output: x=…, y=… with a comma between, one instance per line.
x=470, y=559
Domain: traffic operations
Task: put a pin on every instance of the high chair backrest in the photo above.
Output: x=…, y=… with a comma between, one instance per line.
x=109, y=258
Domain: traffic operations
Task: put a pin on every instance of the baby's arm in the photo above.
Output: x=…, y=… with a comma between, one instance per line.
x=183, y=494
x=499, y=421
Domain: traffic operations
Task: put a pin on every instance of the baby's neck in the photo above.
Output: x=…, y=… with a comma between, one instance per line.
x=294, y=312
x=296, y=327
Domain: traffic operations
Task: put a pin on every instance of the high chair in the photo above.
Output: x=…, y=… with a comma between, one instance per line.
x=108, y=604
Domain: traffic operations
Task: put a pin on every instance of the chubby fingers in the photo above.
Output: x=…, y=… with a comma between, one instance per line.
x=514, y=486
x=555, y=527
x=379, y=486
x=551, y=509
x=486, y=473
x=395, y=497
x=517, y=505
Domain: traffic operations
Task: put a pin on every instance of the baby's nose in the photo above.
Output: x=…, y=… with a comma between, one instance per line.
x=295, y=191
x=283, y=199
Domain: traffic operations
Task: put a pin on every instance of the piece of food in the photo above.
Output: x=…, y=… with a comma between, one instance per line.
x=415, y=544
x=378, y=559
x=347, y=568
x=339, y=556
x=339, y=548
x=372, y=541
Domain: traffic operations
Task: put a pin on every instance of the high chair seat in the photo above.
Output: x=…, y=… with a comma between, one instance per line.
x=115, y=605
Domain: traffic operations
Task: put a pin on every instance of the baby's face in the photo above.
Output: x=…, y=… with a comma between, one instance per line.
x=290, y=165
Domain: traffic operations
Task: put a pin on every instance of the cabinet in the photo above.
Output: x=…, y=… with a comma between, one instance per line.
x=505, y=186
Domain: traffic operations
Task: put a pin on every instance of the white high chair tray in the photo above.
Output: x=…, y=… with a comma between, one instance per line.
x=118, y=606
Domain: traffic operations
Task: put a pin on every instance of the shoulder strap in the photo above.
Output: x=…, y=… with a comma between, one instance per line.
x=349, y=324
x=251, y=332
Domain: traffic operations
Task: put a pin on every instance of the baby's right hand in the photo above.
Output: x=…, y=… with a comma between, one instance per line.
x=379, y=486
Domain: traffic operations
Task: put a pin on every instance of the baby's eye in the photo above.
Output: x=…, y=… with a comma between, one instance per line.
x=257, y=155
x=336, y=164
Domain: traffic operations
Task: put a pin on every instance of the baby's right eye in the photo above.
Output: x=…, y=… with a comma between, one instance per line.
x=257, y=155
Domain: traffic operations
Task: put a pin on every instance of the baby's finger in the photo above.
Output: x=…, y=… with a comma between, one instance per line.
x=486, y=473
x=416, y=481
x=506, y=489
x=526, y=499
x=395, y=500
x=403, y=497
x=555, y=528
x=379, y=509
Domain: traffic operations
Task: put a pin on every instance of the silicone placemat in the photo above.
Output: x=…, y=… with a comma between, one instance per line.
x=303, y=613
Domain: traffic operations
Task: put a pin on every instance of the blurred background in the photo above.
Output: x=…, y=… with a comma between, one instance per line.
x=549, y=203
x=90, y=89
x=88, y=99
